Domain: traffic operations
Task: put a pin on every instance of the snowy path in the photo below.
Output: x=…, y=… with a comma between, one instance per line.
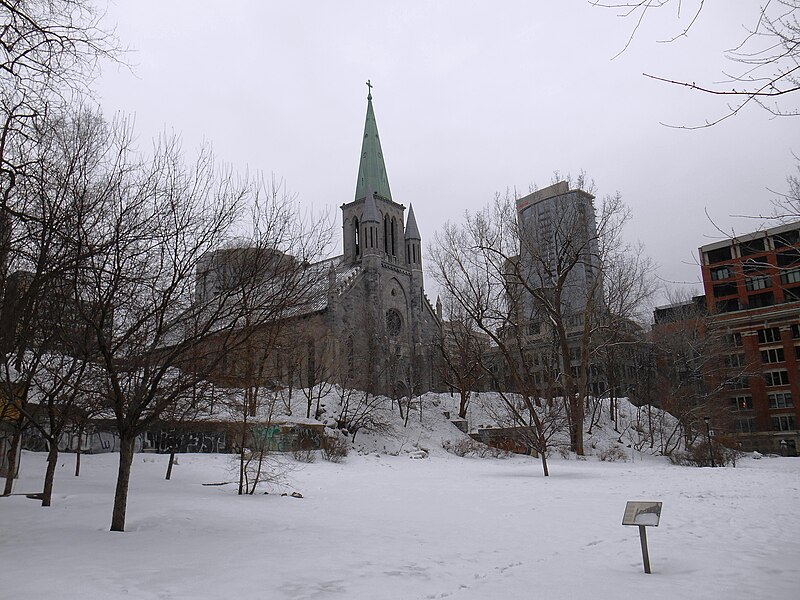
x=391, y=527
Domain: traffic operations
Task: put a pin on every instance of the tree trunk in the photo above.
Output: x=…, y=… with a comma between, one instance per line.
x=241, y=468
x=462, y=408
x=576, y=425
x=126, y=452
x=12, y=462
x=171, y=461
x=78, y=452
x=50, y=474
x=545, y=470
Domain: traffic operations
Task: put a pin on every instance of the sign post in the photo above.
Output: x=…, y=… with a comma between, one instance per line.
x=642, y=515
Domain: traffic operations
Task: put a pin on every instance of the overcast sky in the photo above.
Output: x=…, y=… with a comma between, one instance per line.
x=471, y=98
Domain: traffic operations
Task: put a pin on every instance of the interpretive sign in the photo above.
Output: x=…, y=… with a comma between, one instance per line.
x=642, y=514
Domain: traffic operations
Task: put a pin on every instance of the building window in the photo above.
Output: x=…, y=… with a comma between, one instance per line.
x=787, y=238
x=739, y=383
x=734, y=360
x=718, y=255
x=788, y=258
x=356, y=237
x=757, y=283
x=752, y=247
x=722, y=273
x=386, y=234
x=752, y=265
x=774, y=378
x=784, y=423
x=791, y=276
x=791, y=294
x=780, y=400
x=725, y=289
x=745, y=425
x=773, y=355
x=394, y=322
x=770, y=335
x=742, y=403
x=730, y=305
x=796, y=331
x=759, y=300
x=734, y=339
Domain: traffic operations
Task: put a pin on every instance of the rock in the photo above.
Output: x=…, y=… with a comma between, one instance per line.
x=297, y=495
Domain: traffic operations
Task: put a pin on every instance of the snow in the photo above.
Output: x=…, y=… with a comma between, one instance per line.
x=646, y=519
x=381, y=526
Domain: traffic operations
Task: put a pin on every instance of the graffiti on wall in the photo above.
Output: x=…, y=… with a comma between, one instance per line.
x=162, y=440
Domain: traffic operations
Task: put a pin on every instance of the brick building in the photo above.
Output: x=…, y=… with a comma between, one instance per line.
x=752, y=287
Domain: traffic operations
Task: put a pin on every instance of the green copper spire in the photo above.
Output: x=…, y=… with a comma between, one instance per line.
x=371, y=169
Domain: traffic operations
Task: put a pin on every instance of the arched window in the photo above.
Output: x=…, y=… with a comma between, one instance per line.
x=394, y=230
x=386, y=234
x=356, y=236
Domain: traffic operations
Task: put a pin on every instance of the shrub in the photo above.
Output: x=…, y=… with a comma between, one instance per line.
x=613, y=454
x=698, y=456
x=334, y=448
x=305, y=455
x=470, y=447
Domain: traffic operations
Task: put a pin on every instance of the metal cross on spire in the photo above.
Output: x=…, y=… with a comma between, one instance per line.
x=369, y=94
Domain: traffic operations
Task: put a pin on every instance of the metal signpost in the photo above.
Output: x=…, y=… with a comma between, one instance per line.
x=642, y=514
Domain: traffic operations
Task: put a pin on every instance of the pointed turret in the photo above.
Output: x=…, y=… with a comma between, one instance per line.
x=412, y=231
x=413, y=242
x=370, y=220
x=371, y=169
x=370, y=214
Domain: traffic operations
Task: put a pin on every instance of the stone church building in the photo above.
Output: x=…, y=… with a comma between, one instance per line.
x=368, y=324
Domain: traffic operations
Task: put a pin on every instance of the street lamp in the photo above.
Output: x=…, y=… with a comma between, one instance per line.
x=708, y=436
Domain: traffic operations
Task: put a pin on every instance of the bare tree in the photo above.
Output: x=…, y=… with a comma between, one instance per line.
x=461, y=349
x=47, y=351
x=50, y=50
x=164, y=304
x=320, y=363
x=537, y=290
x=471, y=263
x=696, y=366
x=766, y=61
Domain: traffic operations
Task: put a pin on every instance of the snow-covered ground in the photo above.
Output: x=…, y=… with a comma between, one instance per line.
x=383, y=526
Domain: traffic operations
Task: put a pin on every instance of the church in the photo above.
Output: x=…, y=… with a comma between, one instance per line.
x=367, y=323
x=383, y=324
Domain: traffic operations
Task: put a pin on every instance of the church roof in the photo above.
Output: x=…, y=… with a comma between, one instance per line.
x=371, y=168
x=412, y=231
x=320, y=291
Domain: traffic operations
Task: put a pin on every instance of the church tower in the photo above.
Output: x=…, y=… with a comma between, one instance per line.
x=384, y=315
x=372, y=177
